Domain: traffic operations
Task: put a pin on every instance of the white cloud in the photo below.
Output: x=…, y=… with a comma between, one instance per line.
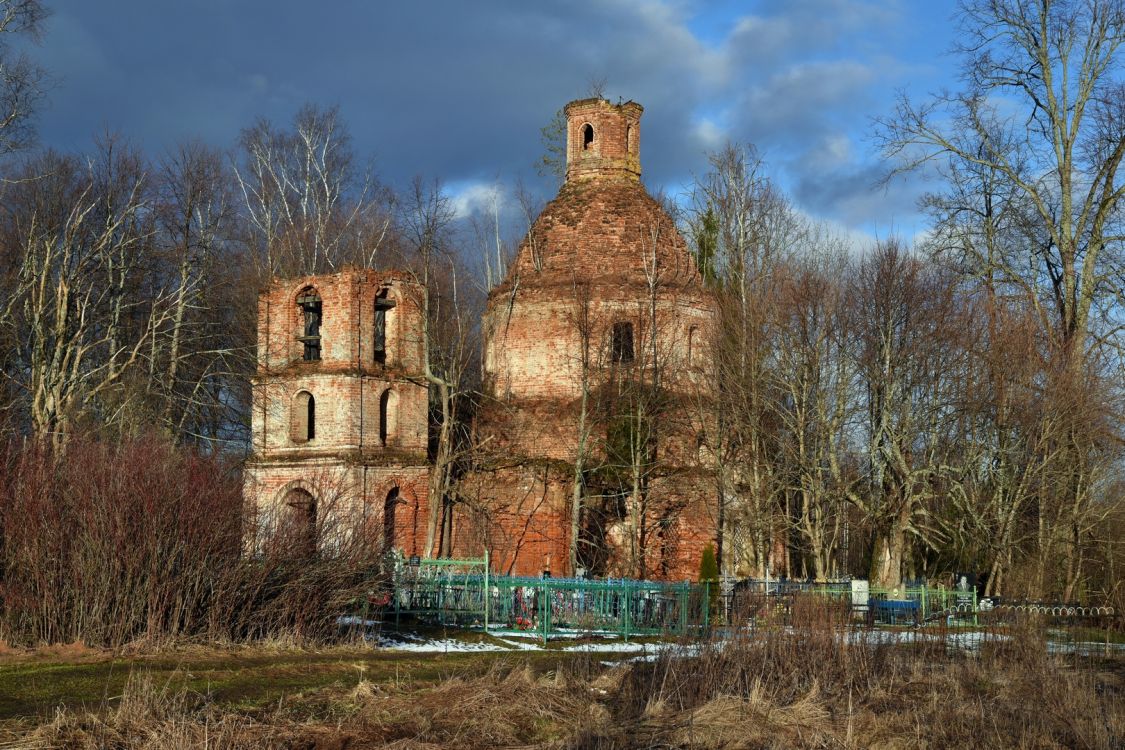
x=473, y=198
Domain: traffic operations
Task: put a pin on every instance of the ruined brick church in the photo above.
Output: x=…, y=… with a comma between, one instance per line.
x=588, y=459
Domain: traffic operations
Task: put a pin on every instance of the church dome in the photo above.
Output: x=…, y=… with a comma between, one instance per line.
x=603, y=232
x=603, y=228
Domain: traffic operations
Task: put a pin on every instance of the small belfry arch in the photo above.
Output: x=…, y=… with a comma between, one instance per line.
x=311, y=315
x=384, y=321
x=587, y=136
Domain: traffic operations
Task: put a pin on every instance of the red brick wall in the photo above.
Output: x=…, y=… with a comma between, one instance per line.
x=595, y=254
x=521, y=515
x=346, y=467
x=350, y=498
x=600, y=253
x=347, y=326
x=347, y=414
x=615, y=150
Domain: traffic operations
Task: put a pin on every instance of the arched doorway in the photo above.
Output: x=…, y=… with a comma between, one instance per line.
x=297, y=528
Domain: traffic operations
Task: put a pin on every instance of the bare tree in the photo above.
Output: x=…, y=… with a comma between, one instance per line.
x=1054, y=150
x=308, y=207
x=450, y=327
x=743, y=228
x=199, y=349
x=583, y=321
x=79, y=325
x=906, y=317
x=816, y=378
x=1032, y=149
x=22, y=82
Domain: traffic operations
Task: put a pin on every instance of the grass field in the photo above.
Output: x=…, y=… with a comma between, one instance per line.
x=792, y=688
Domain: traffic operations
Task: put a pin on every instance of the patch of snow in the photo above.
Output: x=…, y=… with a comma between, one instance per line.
x=356, y=620
x=438, y=646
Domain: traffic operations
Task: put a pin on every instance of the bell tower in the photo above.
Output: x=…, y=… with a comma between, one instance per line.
x=603, y=140
x=340, y=410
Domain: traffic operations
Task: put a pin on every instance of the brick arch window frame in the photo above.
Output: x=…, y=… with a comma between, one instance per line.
x=587, y=136
x=310, y=318
x=385, y=331
x=391, y=500
x=388, y=416
x=302, y=417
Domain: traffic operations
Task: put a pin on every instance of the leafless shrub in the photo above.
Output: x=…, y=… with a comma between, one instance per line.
x=114, y=543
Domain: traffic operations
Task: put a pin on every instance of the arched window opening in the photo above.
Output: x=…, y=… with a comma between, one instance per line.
x=302, y=425
x=388, y=417
x=587, y=136
x=310, y=417
x=621, y=346
x=309, y=303
x=298, y=530
x=691, y=346
x=383, y=305
x=389, y=519
x=628, y=139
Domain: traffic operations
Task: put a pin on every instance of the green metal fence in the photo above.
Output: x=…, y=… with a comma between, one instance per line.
x=463, y=592
x=466, y=593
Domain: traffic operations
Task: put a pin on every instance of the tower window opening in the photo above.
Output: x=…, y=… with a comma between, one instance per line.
x=302, y=427
x=621, y=345
x=309, y=303
x=383, y=303
x=387, y=416
x=389, y=504
x=629, y=139
x=587, y=136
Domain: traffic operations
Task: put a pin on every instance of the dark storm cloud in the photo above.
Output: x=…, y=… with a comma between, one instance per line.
x=460, y=89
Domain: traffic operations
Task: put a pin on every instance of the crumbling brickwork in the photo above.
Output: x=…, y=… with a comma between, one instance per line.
x=359, y=452
x=603, y=273
x=593, y=348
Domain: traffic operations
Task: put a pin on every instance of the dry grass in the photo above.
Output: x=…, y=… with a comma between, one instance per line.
x=799, y=687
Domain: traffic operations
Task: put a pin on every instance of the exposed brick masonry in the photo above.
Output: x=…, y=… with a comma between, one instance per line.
x=602, y=253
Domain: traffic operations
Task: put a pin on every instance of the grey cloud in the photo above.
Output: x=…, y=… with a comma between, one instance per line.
x=460, y=90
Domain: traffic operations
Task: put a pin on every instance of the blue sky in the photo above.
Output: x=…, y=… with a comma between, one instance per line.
x=459, y=90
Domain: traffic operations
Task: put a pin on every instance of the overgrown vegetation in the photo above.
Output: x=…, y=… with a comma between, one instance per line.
x=141, y=540
x=807, y=685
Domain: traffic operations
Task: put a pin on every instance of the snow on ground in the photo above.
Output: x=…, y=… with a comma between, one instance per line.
x=417, y=644
x=967, y=640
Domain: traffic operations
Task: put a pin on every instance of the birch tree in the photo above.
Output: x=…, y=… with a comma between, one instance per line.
x=78, y=326
x=449, y=328
x=308, y=206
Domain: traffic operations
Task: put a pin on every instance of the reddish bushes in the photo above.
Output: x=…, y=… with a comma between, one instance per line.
x=112, y=543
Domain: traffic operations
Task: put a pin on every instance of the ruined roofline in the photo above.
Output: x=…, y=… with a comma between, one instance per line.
x=593, y=232
x=631, y=106
x=370, y=275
